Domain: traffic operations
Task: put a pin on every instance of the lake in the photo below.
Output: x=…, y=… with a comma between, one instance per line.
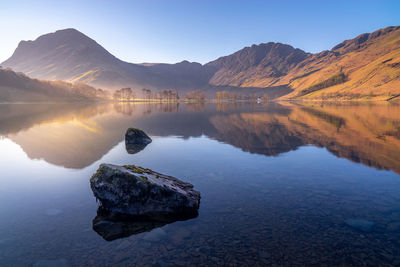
x=285, y=184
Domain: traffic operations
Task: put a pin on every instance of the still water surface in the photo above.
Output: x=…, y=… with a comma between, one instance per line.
x=282, y=184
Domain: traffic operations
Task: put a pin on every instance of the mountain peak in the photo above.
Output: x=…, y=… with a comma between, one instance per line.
x=71, y=30
x=256, y=54
x=62, y=55
x=72, y=56
x=65, y=36
x=270, y=59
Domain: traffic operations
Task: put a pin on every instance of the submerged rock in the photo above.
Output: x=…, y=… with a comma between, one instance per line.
x=360, y=224
x=133, y=190
x=135, y=136
x=111, y=226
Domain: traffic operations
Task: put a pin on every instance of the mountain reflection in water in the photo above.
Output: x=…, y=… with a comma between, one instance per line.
x=77, y=135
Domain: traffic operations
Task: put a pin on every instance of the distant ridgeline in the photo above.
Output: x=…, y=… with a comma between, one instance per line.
x=366, y=67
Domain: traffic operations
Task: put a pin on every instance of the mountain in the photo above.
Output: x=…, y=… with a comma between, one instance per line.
x=16, y=87
x=72, y=56
x=264, y=63
x=366, y=67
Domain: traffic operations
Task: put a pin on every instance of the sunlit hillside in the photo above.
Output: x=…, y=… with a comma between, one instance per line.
x=369, y=64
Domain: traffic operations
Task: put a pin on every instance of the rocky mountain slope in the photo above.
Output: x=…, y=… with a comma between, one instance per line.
x=366, y=67
x=369, y=64
x=264, y=63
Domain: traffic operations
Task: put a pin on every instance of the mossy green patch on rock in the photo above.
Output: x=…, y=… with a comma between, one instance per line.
x=137, y=169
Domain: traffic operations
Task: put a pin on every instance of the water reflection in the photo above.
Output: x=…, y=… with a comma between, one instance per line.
x=75, y=136
x=266, y=207
x=113, y=226
x=134, y=148
x=364, y=134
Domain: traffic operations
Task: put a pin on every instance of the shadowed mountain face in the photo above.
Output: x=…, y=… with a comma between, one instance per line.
x=366, y=67
x=72, y=56
x=79, y=135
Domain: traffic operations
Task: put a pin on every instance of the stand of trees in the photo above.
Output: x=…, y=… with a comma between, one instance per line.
x=127, y=94
x=124, y=94
x=233, y=96
x=196, y=95
x=169, y=95
x=338, y=78
x=146, y=93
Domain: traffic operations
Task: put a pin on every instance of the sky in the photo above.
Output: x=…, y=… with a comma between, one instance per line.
x=201, y=31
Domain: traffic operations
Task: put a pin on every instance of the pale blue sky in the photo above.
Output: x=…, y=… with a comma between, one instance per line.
x=172, y=31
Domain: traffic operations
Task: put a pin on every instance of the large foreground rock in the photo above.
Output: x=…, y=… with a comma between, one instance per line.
x=134, y=190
